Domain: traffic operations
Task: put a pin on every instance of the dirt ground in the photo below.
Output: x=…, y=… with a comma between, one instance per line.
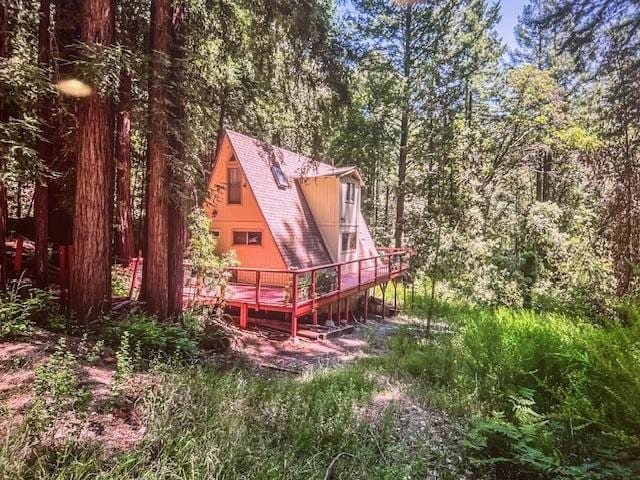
x=121, y=428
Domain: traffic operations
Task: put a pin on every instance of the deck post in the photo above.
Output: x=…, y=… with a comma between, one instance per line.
x=244, y=315
x=383, y=287
x=347, y=307
x=359, y=272
x=375, y=269
x=258, y=282
x=17, y=260
x=339, y=280
x=366, y=304
x=294, y=314
x=395, y=298
x=314, y=302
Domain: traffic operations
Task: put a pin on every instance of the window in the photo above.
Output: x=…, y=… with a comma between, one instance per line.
x=348, y=241
x=278, y=174
x=247, y=238
x=351, y=192
x=215, y=234
x=234, y=187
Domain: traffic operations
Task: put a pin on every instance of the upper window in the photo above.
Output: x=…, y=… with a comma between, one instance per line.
x=247, y=238
x=348, y=241
x=351, y=192
x=234, y=186
x=278, y=174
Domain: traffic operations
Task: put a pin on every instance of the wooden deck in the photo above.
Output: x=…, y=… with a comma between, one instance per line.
x=296, y=292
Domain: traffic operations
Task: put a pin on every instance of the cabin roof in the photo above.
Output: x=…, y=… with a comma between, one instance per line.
x=286, y=210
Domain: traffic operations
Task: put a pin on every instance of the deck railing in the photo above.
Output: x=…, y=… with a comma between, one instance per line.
x=307, y=284
x=288, y=288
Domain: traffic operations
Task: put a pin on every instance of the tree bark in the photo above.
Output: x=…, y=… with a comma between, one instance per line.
x=124, y=241
x=64, y=124
x=156, y=259
x=4, y=53
x=404, y=129
x=90, y=288
x=43, y=147
x=177, y=223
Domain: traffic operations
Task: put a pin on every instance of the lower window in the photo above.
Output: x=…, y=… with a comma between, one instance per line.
x=348, y=241
x=247, y=238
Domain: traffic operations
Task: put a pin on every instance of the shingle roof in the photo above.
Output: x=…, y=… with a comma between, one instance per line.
x=285, y=209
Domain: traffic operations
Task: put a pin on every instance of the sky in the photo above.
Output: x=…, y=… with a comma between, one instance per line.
x=510, y=9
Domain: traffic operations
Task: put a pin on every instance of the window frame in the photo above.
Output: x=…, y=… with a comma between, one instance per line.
x=237, y=185
x=278, y=174
x=247, y=233
x=350, y=196
x=352, y=241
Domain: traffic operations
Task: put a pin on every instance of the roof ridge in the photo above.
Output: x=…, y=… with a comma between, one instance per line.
x=319, y=162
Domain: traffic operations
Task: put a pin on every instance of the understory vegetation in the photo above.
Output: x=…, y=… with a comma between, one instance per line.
x=526, y=394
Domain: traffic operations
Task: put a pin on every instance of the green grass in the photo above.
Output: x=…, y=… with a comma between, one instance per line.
x=207, y=424
x=549, y=396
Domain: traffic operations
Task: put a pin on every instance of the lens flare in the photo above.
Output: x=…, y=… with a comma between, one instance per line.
x=74, y=88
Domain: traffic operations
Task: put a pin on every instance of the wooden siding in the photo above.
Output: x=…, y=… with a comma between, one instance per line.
x=246, y=216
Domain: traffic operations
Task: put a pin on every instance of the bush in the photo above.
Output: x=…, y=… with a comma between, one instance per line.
x=559, y=397
x=18, y=314
x=149, y=337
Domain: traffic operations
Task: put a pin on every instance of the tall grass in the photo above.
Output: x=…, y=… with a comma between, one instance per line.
x=553, y=397
x=207, y=424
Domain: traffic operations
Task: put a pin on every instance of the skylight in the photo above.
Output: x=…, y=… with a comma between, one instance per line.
x=278, y=174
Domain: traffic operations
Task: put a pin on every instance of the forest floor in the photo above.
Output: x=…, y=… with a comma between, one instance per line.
x=408, y=423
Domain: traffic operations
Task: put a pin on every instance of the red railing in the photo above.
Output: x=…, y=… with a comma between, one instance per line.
x=287, y=288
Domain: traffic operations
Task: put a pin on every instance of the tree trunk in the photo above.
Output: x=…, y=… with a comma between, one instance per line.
x=4, y=20
x=156, y=259
x=404, y=129
x=43, y=147
x=177, y=223
x=90, y=288
x=124, y=241
x=64, y=124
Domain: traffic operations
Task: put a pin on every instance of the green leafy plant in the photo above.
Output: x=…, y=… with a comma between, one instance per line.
x=56, y=387
x=18, y=313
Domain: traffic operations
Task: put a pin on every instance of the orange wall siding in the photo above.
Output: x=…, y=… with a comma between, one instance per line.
x=246, y=217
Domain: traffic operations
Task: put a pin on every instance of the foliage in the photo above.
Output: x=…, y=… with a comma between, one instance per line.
x=120, y=281
x=209, y=268
x=18, y=313
x=266, y=426
x=553, y=396
x=148, y=338
x=56, y=388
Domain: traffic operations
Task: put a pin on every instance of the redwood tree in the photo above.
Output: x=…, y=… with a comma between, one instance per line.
x=43, y=147
x=124, y=242
x=156, y=263
x=177, y=222
x=90, y=288
x=3, y=118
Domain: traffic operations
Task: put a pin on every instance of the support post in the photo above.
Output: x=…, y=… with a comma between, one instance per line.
x=383, y=287
x=359, y=272
x=258, y=284
x=375, y=269
x=347, y=307
x=331, y=312
x=17, y=260
x=339, y=322
x=366, y=304
x=395, y=298
x=244, y=315
x=133, y=277
x=294, y=314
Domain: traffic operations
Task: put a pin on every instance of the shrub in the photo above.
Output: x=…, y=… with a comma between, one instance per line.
x=56, y=387
x=149, y=337
x=18, y=314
